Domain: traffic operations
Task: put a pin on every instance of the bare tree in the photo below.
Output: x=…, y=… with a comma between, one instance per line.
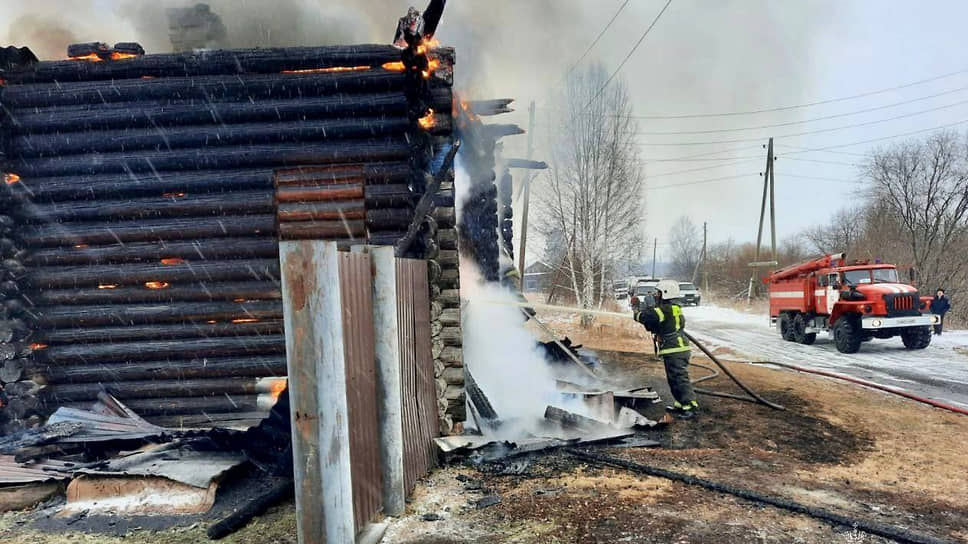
x=923, y=186
x=842, y=232
x=685, y=242
x=593, y=193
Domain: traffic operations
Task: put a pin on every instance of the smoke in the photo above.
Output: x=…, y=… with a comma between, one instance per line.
x=47, y=36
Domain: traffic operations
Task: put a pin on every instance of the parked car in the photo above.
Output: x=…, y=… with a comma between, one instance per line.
x=643, y=297
x=620, y=289
x=689, y=294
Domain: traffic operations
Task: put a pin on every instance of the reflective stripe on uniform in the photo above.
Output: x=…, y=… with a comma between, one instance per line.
x=677, y=349
x=658, y=312
x=677, y=314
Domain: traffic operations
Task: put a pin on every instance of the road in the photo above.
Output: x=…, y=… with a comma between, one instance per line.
x=939, y=372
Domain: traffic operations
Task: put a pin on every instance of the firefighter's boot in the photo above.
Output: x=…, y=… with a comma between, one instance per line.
x=688, y=410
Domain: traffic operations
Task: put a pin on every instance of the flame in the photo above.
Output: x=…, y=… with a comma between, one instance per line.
x=238, y=300
x=172, y=261
x=156, y=284
x=428, y=121
x=81, y=246
x=10, y=179
x=395, y=66
x=173, y=195
x=107, y=286
x=36, y=346
x=211, y=321
x=91, y=57
x=428, y=45
x=328, y=70
x=245, y=320
x=433, y=64
x=276, y=386
x=117, y=55
x=147, y=77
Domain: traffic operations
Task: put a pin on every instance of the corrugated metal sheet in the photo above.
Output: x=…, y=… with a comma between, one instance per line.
x=12, y=472
x=419, y=397
x=361, y=387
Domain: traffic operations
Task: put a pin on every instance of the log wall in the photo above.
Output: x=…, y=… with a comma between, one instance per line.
x=143, y=201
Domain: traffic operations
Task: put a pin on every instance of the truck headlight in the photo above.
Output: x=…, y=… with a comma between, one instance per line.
x=876, y=323
x=936, y=319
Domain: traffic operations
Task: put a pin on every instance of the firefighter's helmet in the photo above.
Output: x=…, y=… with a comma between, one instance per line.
x=668, y=289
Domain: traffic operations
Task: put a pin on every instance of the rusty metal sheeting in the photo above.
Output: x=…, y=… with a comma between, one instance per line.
x=420, y=422
x=361, y=390
x=13, y=473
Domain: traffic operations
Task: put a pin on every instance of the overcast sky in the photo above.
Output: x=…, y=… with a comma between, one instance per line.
x=703, y=57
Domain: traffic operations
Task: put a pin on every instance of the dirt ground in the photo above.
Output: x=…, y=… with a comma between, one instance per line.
x=857, y=452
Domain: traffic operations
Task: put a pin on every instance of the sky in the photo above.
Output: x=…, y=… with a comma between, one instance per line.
x=703, y=57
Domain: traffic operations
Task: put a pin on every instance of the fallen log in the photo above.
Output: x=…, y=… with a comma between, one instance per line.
x=178, y=270
x=182, y=292
x=276, y=493
x=173, y=205
x=192, y=388
x=208, y=137
x=179, y=369
x=137, y=314
x=229, y=157
x=204, y=249
x=151, y=230
x=142, y=350
x=157, y=332
x=490, y=107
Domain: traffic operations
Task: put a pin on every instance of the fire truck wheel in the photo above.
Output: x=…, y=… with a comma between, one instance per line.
x=916, y=337
x=800, y=334
x=786, y=328
x=847, y=335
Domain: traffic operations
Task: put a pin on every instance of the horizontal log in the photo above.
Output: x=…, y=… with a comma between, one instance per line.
x=323, y=230
x=229, y=157
x=385, y=238
x=179, y=369
x=24, y=388
x=12, y=370
x=526, y=164
x=328, y=193
x=111, y=275
x=206, y=111
x=389, y=218
x=450, y=317
x=147, y=230
x=208, y=137
x=209, y=62
x=451, y=336
x=138, y=314
x=204, y=249
x=448, y=258
x=192, y=405
x=452, y=356
x=323, y=211
x=173, y=205
x=179, y=292
x=241, y=87
x=453, y=376
x=490, y=107
x=450, y=298
x=447, y=238
x=445, y=217
x=13, y=329
x=114, y=352
x=165, y=388
x=450, y=278
x=157, y=332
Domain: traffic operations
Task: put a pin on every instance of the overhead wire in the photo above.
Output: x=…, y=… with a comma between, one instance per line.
x=594, y=43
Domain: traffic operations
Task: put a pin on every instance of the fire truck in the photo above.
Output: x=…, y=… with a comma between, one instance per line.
x=857, y=302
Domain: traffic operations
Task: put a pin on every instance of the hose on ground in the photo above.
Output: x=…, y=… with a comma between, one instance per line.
x=715, y=374
x=870, y=527
x=872, y=385
x=732, y=376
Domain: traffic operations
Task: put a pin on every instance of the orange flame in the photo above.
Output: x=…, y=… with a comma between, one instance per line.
x=172, y=261
x=107, y=286
x=10, y=179
x=395, y=66
x=245, y=320
x=428, y=121
x=173, y=195
x=156, y=284
x=117, y=55
x=211, y=321
x=91, y=57
x=238, y=300
x=431, y=68
x=277, y=386
x=81, y=246
x=36, y=347
x=328, y=70
x=428, y=45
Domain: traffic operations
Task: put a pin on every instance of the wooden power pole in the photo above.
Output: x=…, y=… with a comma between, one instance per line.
x=767, y=189
x=526, y=197
x=655, y=245
x=705, y=271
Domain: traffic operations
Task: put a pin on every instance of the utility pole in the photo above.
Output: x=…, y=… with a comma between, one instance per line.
x=705, y=271
x=527, y=196
x=655, y=245
x=767, y=189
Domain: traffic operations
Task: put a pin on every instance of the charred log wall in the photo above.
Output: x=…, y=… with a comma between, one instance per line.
x=144, y=199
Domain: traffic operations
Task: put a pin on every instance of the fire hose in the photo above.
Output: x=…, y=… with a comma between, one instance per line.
x=870, y=527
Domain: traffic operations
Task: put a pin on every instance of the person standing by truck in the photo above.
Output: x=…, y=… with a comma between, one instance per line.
x=940, y=306
x=666, y=322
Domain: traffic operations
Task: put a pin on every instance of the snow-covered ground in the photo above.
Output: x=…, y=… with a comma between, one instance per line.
x=939, y=372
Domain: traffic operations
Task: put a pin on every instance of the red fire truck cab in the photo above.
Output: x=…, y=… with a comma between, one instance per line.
x=856, y=302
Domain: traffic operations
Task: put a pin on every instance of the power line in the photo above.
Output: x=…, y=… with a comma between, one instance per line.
x=817, y=178
x=627, y=57
x=714, y=167
x=834, y=151
x=594, y=43
x=809, y=132
x=689, y=158
x=804, y=121
x=872, y=140
x=672, y=185
x=806, y=105
x=821, y=161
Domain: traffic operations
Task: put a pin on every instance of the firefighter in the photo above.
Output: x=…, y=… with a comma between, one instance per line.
x=665, y=321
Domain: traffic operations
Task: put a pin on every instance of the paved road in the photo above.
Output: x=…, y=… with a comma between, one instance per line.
x=939, y=372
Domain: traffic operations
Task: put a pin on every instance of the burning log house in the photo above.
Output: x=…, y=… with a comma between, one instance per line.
x=144, y=198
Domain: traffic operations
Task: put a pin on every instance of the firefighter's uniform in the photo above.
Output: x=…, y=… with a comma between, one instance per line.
x=666, y=322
